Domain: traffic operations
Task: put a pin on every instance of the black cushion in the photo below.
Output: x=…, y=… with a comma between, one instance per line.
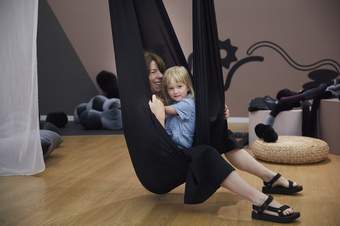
x=57, y=118
x=107, y=81
x=266, y=132
x=90, y=119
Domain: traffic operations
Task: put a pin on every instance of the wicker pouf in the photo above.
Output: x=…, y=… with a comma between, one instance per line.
x=291, y=150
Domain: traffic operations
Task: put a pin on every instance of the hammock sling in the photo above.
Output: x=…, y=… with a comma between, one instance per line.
x=159, y=164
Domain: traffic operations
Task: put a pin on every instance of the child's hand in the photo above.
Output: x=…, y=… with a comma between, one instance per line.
x=226, y=112
x=158, y=109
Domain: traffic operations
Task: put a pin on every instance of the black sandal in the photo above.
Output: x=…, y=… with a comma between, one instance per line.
x=258, y=212
x=268, y=187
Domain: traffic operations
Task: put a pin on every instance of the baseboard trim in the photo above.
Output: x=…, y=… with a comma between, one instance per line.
x=241, y=120
x=70, y=118
x=231, y=120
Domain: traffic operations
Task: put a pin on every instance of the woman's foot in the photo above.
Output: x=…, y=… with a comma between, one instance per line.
x=280, y=185
x=270, y=210
x=274, y=204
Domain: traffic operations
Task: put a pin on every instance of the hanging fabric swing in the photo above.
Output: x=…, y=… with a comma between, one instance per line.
x=159, y=164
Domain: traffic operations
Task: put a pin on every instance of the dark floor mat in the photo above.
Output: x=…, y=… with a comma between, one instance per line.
x=74, y=129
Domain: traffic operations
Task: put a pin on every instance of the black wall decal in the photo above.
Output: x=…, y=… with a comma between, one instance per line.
x=289, y=60
x=231, y=53
x=323, y=75
x=229, y=59
x=237, y=65
x=317, y=75
x=225, y=61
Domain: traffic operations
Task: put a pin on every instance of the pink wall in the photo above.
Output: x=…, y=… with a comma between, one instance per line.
x=88, y=27
x=306, y=29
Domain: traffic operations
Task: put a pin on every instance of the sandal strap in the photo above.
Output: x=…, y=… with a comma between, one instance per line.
x=272, y=181
x=264, y=206
x=284, y=207
x=290, y=184
x=278, y=210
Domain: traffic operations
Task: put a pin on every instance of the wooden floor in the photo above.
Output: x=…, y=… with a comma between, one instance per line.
x=89, y=180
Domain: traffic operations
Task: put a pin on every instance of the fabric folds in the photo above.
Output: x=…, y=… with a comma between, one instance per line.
x=20, y=147
x=158, y=163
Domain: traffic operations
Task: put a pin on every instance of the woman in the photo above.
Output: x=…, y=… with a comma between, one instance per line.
x=264, y=207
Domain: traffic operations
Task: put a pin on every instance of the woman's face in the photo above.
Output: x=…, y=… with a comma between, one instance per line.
x=155, y=78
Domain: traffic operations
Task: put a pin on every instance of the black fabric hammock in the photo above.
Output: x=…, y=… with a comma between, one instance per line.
x=159, y=164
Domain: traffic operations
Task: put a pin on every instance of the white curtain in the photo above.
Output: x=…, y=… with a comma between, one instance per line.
x=20, y=149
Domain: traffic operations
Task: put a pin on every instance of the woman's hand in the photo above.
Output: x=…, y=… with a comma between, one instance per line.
x=158, y=109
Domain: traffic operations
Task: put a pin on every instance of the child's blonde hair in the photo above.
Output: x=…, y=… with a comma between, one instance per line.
x=176, y=74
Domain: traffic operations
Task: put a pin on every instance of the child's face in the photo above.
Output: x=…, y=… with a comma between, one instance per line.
x=177, y=91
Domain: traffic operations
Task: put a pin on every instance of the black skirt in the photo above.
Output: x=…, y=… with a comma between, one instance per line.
x=207, y=169
x=230, y=142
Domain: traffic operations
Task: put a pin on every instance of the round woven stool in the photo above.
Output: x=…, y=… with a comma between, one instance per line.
x=291, y=150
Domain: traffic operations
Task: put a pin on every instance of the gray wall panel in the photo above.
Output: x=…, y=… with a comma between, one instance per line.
x=63, y=80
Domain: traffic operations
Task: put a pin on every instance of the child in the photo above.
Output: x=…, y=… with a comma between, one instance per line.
x=178, y=95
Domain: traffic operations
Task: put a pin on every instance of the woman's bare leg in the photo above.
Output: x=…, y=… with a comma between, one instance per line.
x=236, y=184
x=242, y=160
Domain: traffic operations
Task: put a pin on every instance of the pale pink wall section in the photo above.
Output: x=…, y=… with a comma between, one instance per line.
x=180, y=13
x=87, y=26
x=307, y=29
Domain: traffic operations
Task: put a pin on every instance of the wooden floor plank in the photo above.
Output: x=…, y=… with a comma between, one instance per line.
x=90, y=180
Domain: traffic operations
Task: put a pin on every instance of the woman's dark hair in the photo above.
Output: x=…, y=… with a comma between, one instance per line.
x=149, y=56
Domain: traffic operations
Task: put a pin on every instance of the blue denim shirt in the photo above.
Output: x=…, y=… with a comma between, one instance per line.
x=181, y=127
